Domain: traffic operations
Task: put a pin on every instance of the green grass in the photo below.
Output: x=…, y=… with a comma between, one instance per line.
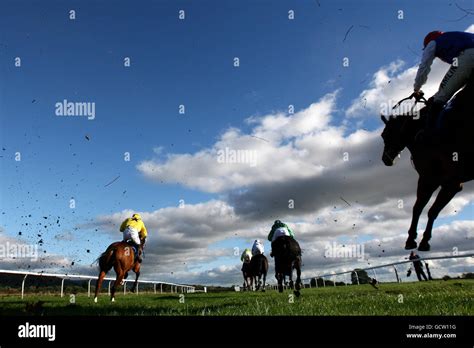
x=453, y=297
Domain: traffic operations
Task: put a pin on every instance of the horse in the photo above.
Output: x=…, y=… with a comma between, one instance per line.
x=447, y=164
x=120, y=256
x=259, y=269
x=248, y=277
x=287, y=254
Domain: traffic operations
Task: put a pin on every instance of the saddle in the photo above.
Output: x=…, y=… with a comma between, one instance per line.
x=134, y=248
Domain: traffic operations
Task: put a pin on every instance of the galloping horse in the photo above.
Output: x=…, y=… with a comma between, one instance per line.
x=248, y=277
x=120, y=256
x=259, y=269
x=448, y=164
x=287, y=254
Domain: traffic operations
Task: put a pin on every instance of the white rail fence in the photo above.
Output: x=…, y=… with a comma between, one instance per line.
x=175, y=288
x=333, y=276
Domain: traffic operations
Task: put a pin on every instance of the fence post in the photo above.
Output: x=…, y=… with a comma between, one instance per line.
x=161, y=288
x=324, y=283
x=154, y=288
x=108, y=292
x=62, y=287
x=124, y=287
x=396, y=273
x=23, y=286
x=335, y=279
x=357, y=277
x=89, y=288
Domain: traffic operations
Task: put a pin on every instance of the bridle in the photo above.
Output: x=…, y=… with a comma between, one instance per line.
x=419, y=98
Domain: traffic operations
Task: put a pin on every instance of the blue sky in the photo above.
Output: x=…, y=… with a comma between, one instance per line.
x=173, y=62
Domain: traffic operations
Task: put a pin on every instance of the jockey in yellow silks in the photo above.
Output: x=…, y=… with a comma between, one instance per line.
x=134, y=230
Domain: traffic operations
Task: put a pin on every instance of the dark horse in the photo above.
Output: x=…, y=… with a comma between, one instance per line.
x=248, y=278
x=120, y=256
x=254, y=271
x=446, y=164
x=259, y=270
x=287, y=254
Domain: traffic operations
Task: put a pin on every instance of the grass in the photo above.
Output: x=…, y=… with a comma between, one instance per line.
x=453, y=297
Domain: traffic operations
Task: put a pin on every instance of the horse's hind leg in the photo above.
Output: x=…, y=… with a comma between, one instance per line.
x=423, y=194
x=98, y=284
x=298, y=278
x=118, y=281
x=444, y=196
x=258, y=281
x=264, y=281
x=137, y=273
x=279, y=277
x=291, y=284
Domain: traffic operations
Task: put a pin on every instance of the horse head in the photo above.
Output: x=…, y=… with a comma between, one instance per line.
x=394, y=138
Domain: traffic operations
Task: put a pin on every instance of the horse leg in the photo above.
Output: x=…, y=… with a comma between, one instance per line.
x=445, y=195
x=118, y=281
x=423, y=194
x=258, y=281
x=279, y=278
x=98, y=284
x=264, y=281
x=298, y=278
x=136, y=269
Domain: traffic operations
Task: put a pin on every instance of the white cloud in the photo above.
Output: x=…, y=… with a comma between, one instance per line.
x=275, y=140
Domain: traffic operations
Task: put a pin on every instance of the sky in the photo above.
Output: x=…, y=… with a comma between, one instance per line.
x=296, y=86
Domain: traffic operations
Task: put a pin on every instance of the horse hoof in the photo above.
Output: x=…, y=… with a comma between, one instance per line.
x=113, y=299
x=280, y=288
x=424, y=246
x=95, y=299
x=410, y=244
x=297, y=293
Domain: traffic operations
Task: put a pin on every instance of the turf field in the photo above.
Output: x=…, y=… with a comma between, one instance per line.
x=454, y=297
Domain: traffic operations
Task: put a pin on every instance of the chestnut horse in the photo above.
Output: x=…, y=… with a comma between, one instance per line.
x=447, y=164
x=120, y=256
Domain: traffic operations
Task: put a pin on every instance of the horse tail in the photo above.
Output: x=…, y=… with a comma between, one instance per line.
x=106, y=258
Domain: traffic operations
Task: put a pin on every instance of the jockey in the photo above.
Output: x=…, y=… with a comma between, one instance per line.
x=134, y=230
x=455, y=48
x=279, y=229
x=246, y=256
x=257, y=247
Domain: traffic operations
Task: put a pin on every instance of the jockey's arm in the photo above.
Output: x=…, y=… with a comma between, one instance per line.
x=143, y=232
x=270, y=235
x=429, y=54
x=124, y=225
